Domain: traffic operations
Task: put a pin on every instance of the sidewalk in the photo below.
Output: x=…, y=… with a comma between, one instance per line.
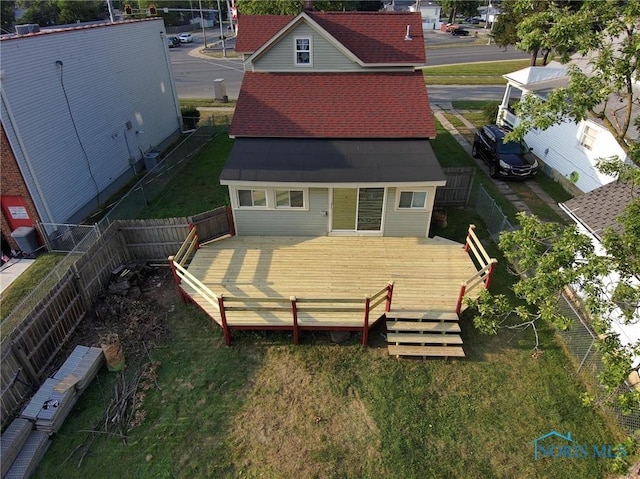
x=10, y=271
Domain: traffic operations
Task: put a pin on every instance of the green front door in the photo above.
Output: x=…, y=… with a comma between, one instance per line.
x=357, y=209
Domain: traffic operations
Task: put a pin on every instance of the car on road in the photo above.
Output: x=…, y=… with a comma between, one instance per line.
x=459, y=32
x=173, y=42
x=185, y=38
x=512, y=159
x=473, y=20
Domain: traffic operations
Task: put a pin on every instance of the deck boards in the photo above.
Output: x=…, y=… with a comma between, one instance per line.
x=427, y=273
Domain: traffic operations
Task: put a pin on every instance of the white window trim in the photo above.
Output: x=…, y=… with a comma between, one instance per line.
x=412, y=190
x=236, y=198
x=270, y=195
x=583, y=135
x=295, y=52
x=305, y=199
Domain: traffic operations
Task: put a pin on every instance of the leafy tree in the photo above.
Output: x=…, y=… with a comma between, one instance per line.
x=606, y=34
x=44, y=12
x=552, y=257
x=7, y=18
x=71, y=11
x=293, y=7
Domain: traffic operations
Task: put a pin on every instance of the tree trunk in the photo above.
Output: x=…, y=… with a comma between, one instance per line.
x=545, y=58
x=533, y=58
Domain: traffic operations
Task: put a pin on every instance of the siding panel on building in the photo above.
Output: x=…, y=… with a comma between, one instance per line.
x=72, y=118
x=407, y=223
x=326, y=57
x=286, y=223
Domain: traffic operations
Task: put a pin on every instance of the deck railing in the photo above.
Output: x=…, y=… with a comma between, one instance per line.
x=484, y=274
x=295, y=306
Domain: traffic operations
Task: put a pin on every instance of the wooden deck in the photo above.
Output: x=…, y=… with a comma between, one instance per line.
x=427, y=274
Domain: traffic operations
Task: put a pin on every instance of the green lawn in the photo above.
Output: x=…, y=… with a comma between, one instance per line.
x=265, y=408
x=487, y=73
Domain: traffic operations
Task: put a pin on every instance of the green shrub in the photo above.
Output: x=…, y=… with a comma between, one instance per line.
x=190, y=117
x=490, y=111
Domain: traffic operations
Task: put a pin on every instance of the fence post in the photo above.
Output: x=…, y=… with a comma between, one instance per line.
x=223, y=319
x=387, y=304
x=365, y=329
x=232, y=226
x=22, y=358
x=294, y=311
x=463, y=289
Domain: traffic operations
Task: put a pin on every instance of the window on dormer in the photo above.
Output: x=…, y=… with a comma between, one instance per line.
x=303, y=51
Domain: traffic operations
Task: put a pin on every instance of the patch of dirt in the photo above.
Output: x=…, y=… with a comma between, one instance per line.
x=135, y=307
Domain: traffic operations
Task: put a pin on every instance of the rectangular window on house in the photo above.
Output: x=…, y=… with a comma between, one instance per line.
x=289, y=199
x=252, y=198
x=303, y=51
x=588, y=137
x=416, y=200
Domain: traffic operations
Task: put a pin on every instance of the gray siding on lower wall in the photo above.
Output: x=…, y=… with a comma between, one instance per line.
x=287, y=223
x=406, y=223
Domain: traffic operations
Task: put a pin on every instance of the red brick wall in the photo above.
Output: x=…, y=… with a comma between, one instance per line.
x=12, y=183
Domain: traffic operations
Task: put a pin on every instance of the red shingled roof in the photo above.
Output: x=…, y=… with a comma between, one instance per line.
x=374, y=37
x=333, y=105
x=255, y=30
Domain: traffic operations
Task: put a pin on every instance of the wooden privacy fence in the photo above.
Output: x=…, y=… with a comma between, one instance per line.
x=33, y=348
x=486, y=264
x=458, y=188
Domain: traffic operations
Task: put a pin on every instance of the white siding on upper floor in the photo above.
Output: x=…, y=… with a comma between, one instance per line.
x=72, y=118
x=325, y=56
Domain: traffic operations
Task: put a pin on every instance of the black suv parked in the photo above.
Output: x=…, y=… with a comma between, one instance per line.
x=505, y=160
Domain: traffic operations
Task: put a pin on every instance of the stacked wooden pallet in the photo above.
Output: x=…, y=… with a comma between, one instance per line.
x=27, y=438
x=424, y=333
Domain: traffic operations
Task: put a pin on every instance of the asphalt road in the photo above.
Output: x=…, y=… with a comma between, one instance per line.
x=194, y=73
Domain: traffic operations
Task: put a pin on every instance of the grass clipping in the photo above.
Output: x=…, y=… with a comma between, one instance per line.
x=293, y=425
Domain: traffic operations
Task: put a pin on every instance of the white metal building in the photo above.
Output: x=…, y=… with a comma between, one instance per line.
x=81, y=106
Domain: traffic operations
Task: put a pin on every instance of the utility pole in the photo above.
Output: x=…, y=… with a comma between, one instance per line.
x=224, y=47
x=110, y=7
x=204, y=35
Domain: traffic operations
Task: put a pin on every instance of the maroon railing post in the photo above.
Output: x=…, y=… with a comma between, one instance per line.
x=387, y=304
x=294, y=311
x=365, y=329
x=232, y=226
x=223, y=318
x=492, y=267
x=463, y=289
x=468, y=240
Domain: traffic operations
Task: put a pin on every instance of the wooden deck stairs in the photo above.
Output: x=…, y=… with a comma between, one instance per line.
x=424, y=333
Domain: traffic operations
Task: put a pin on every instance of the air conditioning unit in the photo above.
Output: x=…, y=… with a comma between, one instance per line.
x=151, y=160
x=27, y=28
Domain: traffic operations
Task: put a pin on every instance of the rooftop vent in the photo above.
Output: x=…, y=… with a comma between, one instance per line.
x=408, y=35
x=27, y=28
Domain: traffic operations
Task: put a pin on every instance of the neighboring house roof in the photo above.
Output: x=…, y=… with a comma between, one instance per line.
x=599, y=209
x=331, y=161
x=256, y=30
x=333, y=105
x=373, y=37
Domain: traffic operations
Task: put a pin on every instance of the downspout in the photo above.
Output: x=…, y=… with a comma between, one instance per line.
x=27, y=161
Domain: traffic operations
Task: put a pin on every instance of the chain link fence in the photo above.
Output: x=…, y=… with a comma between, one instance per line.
x=494, y=219
x=579, y=340
x=76, y=239
x=160, y=171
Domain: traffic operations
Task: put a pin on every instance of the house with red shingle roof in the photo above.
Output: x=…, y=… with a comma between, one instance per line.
x=332, y=127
